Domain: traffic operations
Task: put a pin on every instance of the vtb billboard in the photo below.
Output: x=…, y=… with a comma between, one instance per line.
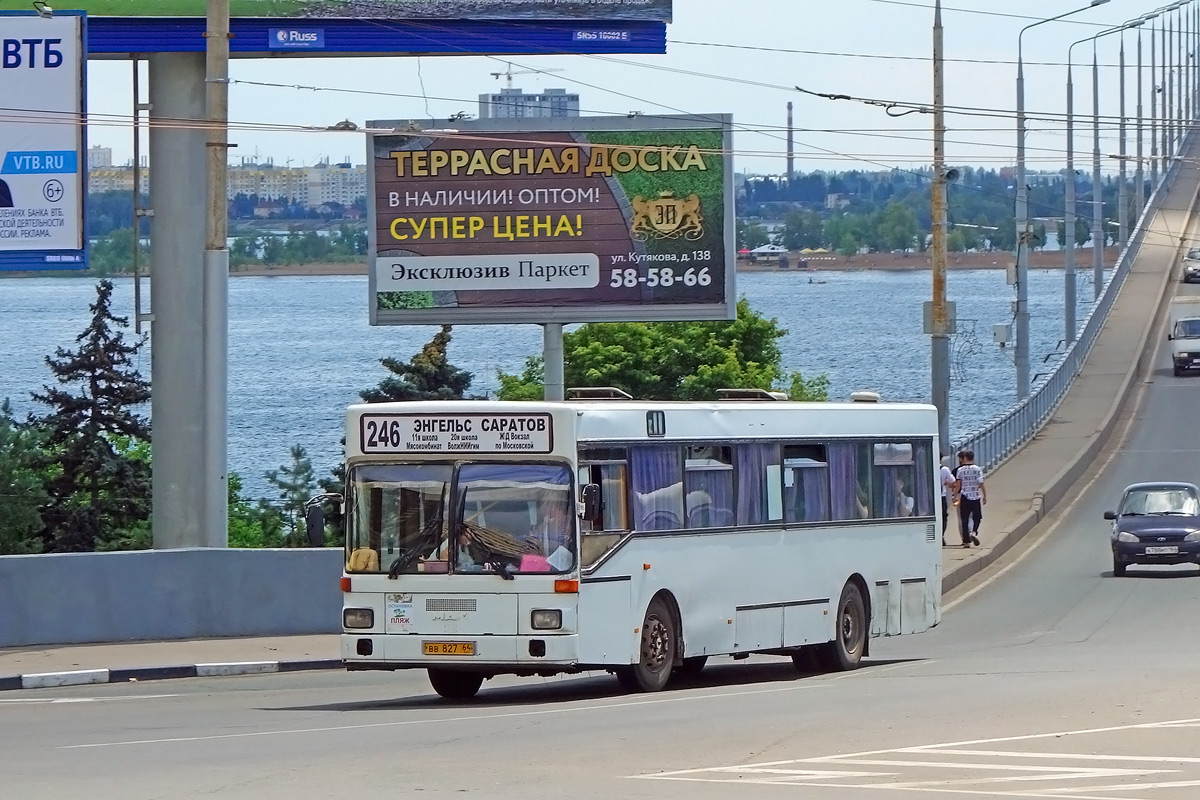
x=578, y=219
x=655, y=10
x=41, y=142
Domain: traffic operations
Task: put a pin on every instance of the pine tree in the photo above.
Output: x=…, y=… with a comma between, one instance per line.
x=428, y=376
x=98, y=489
x=296, y=484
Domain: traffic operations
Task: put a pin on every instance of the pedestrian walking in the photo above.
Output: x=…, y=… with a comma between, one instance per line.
x=946, y=479
x=972, y=497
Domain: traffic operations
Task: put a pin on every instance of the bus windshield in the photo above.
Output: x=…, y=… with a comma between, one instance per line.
x=509, y=518
x=515, y=517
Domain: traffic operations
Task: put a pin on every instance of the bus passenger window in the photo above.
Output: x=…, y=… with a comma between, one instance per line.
x=805, y=483
x=759, y=475
x=893, y=480
x=849, y=480
x=708, y=487
x=656, y=473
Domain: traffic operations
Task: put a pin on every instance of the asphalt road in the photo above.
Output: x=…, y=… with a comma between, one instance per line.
x=1047, y=678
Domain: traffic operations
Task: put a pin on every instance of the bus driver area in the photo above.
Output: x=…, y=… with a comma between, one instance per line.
x=637, y=538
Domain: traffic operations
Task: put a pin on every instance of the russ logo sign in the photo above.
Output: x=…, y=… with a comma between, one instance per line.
x=296, y=38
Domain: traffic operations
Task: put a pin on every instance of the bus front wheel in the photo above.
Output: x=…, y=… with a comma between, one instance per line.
x=656, y=652
x=850, y=637
x=455, y=685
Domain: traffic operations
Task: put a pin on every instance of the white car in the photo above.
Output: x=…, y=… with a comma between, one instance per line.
x=1191, y=266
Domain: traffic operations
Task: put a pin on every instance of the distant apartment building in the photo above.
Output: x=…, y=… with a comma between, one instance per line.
x=509, y=103
x=311, y=187
x=98, y=157
x=116, y=179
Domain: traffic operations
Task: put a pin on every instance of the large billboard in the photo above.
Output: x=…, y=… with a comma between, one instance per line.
x=41, y=142
x=570, y=219
x=655, y=10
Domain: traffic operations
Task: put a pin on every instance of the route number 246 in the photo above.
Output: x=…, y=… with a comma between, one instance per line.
x=660, y=276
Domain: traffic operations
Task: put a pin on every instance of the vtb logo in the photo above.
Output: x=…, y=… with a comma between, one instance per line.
x=30, y=53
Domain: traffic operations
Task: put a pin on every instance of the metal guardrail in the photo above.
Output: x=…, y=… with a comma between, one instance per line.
x=1000, y=438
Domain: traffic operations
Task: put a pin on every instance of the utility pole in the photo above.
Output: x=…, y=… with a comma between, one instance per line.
x=938, y=324
x=216, y=276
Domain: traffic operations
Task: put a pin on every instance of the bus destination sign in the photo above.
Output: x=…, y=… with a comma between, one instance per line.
x=456, y=433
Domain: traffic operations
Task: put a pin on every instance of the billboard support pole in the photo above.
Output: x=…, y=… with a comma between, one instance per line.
x=176, y=264
x=216, y=276
x=552, y=358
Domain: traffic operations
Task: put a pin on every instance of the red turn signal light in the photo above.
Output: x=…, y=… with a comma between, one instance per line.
x=566, y=587
x=345, y=584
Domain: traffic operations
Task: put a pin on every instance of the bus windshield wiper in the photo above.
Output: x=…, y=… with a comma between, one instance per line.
x=428, y=534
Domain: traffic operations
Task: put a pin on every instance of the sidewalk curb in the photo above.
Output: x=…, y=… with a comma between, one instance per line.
x=1059, y=487
x=43, y=680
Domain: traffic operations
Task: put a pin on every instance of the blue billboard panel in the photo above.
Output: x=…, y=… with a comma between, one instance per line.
x=260, y=37
x=649, y=10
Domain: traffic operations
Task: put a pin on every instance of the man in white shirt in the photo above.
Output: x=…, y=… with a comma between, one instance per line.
x=946, y=478
x=972, y=497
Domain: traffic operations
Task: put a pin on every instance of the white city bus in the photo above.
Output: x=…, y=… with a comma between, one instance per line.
x=641, y=538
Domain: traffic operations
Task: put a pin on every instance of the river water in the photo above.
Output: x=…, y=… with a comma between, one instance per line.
x=301, y=348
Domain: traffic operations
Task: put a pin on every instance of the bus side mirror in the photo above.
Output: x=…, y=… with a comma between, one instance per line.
x=314, y=525
x=591, y=502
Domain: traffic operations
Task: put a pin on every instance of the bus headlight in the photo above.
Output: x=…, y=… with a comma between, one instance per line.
x=545, y=619
x=358, y=618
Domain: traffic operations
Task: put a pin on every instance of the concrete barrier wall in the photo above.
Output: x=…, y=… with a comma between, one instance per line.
x=72, y=598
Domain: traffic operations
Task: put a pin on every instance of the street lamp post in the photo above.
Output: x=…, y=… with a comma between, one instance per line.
x=1122, y=198
x=1098, y=235
x=1153, y=106
x=1139, y=175
x=1021, y=351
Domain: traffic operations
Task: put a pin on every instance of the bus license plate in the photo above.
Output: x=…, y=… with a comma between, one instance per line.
x=1162, y=551
x=449, y=648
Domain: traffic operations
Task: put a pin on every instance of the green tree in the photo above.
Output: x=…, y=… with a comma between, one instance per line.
x=100, y=485
x=666, y=360
x=428, y=375
x=896, y=227
x=956, y=240
x=296, y=483
x=22, y=486
x=751, y=235
x=802, y=229
x=113, y=254
x=251, y=525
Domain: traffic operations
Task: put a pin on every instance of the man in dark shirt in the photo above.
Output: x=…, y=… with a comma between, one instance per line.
x=6, y=200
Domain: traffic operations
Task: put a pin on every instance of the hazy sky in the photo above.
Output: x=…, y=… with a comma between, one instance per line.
x=868, y=48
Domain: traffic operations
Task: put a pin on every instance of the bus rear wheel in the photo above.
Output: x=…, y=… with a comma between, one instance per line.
x=656, y=653
x=850, y=638
x=455, y=685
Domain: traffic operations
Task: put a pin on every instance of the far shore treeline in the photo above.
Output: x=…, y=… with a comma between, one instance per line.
x=845, y=213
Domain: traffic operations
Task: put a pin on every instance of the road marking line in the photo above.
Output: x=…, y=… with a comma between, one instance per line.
x=63, y=700
x=426, y=721
x=1068, y=756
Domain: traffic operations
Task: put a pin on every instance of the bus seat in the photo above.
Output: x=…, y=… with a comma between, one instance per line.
x=364, y=559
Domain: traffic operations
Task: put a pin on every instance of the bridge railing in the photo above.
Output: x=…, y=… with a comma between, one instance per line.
x=1006, y=434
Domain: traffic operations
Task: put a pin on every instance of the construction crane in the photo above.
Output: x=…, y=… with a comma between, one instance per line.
x=508, y=73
